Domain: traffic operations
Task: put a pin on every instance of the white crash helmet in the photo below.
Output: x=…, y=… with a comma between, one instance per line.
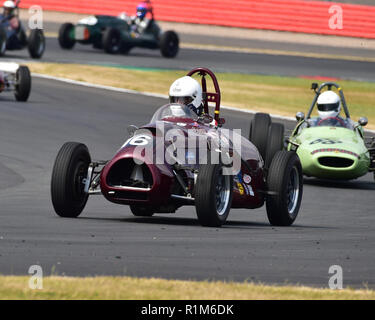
x=329, y=105
x=8, y=6
x=187, y=91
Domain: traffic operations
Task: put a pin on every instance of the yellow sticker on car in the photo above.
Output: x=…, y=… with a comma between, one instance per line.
x=240, y=188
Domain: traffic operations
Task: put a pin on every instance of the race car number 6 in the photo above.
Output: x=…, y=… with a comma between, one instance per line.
x=141, y=140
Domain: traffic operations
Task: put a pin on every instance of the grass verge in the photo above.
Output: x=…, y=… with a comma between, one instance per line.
x=146, y=289
x=274, y=94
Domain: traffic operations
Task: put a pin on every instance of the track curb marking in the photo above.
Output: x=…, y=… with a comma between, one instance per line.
x=149, y=94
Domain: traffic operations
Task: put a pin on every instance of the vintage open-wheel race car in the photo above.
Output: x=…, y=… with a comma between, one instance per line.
x=157, y=170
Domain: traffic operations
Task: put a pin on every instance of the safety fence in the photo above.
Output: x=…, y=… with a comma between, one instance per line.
x=319, y=17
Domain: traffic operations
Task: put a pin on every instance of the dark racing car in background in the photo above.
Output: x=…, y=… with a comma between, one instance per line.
x=120, y=34
x=149, y=183
x=13, y=35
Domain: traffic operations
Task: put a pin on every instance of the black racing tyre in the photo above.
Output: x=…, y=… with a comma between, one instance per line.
x=285, y=187
x=213, y=195
x=275, y=141
x=112, y=41
x=66, y=40
x=67, y=187
x=23, y=84
x=259, y=132
x=36, y=43
x=142, y=211
x=169, y=44
x=3, y=41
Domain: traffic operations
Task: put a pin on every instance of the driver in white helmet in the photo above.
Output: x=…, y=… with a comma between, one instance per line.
x=329, y=107
x=8, y=9
x=187, y=91
x=9, y=14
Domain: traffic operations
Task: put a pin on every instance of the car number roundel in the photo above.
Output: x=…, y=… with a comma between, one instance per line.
x=325, y=141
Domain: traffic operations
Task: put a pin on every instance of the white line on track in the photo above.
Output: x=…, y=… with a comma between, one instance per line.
x=149, y=94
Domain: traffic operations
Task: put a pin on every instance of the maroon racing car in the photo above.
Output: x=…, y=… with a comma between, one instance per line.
x=180, y=158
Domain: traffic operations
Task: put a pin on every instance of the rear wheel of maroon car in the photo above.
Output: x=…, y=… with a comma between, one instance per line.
x=142, y=211
x=68, y=176
x=259, y=132
x=285, y=187
x=213, y=195
x=275, y=141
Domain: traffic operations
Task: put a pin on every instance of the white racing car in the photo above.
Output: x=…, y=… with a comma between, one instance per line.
x=15, y=78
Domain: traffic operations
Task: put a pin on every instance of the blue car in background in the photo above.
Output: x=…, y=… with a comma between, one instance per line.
x=13, y=37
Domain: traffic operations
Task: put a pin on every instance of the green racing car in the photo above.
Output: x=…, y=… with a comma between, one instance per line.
x=329, y=146
x=121, y=34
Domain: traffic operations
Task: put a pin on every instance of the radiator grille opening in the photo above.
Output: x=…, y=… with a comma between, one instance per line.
x=126, y=173
x=336, y=162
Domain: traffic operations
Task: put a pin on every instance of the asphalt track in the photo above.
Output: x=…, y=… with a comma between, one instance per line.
x=336, y=225
x=253, y=63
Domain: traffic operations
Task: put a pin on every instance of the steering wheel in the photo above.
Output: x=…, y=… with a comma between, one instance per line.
x=214, y=97
x=333, y=118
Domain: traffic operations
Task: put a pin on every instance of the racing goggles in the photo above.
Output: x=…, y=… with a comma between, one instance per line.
x=328, y=106
x=181, y=100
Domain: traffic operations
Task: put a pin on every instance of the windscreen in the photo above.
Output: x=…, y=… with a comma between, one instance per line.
x=174, y=111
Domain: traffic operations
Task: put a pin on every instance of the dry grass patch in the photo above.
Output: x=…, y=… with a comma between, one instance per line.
x=280, y=95
x=145, y=289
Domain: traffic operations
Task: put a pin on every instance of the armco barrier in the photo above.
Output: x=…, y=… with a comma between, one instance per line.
x=282, y=15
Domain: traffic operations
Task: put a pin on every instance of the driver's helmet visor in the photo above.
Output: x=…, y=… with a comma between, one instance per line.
x=328, y=106
x=181, y=100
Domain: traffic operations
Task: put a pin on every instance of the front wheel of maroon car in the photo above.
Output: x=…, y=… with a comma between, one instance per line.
x=68, y=177
x=285, y=188
x=213, y=195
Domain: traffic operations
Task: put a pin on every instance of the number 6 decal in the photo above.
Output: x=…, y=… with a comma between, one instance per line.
x=140, y=140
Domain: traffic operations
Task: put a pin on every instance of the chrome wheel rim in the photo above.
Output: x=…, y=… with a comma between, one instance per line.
x=293, y=191
x=222, y=193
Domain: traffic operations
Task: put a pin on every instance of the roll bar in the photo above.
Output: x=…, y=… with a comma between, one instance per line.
x=214, y=97
x=318, y=91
